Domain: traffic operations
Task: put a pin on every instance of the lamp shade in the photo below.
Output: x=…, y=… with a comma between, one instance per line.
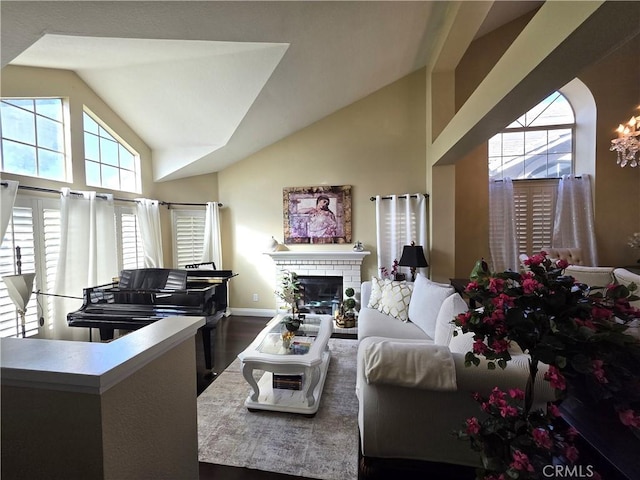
x=413, y=256
x=19, y=288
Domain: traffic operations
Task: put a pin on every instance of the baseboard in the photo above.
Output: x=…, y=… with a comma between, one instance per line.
x=253, y=312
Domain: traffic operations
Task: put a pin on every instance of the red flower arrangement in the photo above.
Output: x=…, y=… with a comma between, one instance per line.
x=578, y=333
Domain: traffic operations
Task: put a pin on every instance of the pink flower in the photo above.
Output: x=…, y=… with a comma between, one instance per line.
x=536, y=260
x=479, y=347
x=600, y=313
x=463, y=319
x=556, y=378
x=598, y=371
x=471, y=286
x=508, y=411
x=629, y=418
x=562, y=263
x=473, y=426
x=502, y=301
x=521, y=461
x=542, y=438
x=529, y=285
x=516, y=393
x=571, y=453
x=553, y=410
x=500, y=346
x=496, y=285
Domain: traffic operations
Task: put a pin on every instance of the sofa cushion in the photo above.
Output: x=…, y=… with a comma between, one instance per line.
x=420, y=365
x=395, y=299
x=377, y=284
x=451, y=307
x=426, y=300
x=372, y=323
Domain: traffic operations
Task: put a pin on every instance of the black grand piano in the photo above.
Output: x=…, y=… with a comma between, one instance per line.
x=146, y=295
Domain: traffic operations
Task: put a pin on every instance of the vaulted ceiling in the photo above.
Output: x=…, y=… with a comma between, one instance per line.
x=207, y=83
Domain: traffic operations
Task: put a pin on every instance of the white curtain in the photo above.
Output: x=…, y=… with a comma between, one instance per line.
x=87, y=254
x=400, y=220
x=148, y=213
x=573, y=225
x=212, y=251
x=7, y=199
x=503, y=245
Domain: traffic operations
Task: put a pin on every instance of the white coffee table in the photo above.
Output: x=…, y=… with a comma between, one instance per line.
x=268, y=353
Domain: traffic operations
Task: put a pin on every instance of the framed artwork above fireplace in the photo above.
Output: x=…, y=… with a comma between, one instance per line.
x=317, y=215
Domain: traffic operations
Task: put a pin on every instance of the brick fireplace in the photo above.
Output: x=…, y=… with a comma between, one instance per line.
x=322, y=264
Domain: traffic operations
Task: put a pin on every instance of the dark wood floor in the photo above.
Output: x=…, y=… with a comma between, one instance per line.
x=234, y=335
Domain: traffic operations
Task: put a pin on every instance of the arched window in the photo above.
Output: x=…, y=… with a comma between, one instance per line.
x=539, y=144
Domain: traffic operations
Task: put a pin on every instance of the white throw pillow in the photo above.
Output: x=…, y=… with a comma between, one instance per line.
x=395, y=299
x=376, y=291
x=450, y=308
x=426, y=301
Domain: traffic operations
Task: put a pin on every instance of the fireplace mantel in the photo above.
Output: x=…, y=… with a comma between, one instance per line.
x=345, y=264
x=302, y=256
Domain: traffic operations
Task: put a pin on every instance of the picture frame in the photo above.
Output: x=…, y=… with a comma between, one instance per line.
x=317, y=215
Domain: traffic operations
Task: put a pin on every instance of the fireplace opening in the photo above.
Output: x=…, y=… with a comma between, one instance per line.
x=319, y=294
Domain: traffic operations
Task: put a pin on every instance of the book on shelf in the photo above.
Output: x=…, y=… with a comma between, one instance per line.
x=287, y=382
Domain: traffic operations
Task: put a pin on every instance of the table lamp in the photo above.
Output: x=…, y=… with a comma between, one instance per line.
x=19, y=288
x=413, y=257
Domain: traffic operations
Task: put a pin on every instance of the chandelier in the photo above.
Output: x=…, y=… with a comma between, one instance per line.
x=627, y=144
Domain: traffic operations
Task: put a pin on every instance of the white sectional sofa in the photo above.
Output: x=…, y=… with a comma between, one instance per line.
x=412, y=385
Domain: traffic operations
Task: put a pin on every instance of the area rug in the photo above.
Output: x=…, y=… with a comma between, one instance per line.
x=322, y=447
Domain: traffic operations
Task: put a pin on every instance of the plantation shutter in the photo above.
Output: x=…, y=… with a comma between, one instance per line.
x=535, y=205
x=188, y=236
x=52, y=235
x=20, y=232
x=132, y=250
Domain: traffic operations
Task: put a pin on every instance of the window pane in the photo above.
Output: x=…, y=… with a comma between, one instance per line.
x=26, y=104
x=107, y=135
x=50, y=107
x=560, y=141
x=18, y=158
x=90, y=125
x=18, y=125
x=50, y=134
x=536, y=166
x=91, y=147
x=495, y=168
x=128, y=181
x=51, y=165
x=513, y=167
x=559, y=165
x=535, y=141
x=554, y=110
x=92, y=173
x=495, y=145
x=108, y=152
x=127, y=159
x=110, y=177
x=513, y=143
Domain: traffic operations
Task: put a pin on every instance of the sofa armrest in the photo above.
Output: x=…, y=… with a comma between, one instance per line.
x=419, y=365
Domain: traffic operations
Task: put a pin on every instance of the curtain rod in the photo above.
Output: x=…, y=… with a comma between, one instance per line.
x=526, y=179
x=426, y=195
x=51, y=190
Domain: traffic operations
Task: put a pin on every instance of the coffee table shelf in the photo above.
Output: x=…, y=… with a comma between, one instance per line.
x=263, y=354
